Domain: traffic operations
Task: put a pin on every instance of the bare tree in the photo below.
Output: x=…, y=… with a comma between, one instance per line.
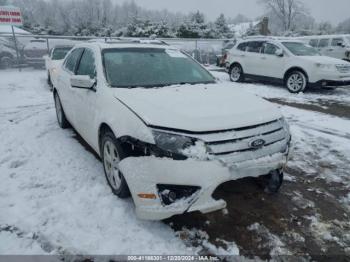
x=287, y=11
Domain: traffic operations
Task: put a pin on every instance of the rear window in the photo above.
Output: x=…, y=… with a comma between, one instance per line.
x=72, y=59
x=323, y=42
x=313, y=42
x=255, y=46
x=336, y=41
x=60, y=53
x=242, y=46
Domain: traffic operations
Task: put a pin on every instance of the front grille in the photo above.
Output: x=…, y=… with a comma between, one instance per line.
x=343, y=68
x=235, y=145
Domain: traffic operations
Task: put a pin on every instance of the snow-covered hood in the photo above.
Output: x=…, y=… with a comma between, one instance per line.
x=323, y=60
x=197, y=107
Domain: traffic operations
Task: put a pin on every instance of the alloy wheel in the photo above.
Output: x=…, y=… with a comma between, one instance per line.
x=111, y=161
x=236, y=72
x=296, y=82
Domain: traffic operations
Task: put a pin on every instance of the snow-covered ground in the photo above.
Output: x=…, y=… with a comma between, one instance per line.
x=54, y=197
x=53, y=194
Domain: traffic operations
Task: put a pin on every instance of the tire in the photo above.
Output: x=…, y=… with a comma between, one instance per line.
x=6, y=62
x=272, y=182
x=236, y=73
x=49, y=82
x=61, y=117
x=296, y=81
x=112, y=153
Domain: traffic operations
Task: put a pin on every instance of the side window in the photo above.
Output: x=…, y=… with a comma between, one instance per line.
x=270, y=49
x=72, y=59
x=87, y=64
x=336, y=41
x=242, y=46
x=323, y=42
x=313, y=42
x=255, y=47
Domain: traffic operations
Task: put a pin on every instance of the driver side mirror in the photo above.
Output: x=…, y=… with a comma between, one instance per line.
x=82, y=81
x=279, y=53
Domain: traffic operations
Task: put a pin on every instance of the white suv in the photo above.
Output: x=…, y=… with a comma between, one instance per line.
x=165, y=130
x=291, y=62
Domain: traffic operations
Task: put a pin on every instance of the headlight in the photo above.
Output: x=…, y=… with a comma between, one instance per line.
x=285, y=124
x=171, y=142
x=325, y=66
x=182, y=145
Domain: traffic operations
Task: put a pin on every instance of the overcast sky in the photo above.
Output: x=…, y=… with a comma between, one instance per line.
x=334, y=11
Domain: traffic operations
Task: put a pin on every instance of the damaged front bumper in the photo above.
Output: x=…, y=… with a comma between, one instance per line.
x=150, y=176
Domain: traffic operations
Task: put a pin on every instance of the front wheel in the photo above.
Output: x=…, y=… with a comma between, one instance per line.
x=236, y=73
x=296, y=82
x=112, y=154
x=272, y=182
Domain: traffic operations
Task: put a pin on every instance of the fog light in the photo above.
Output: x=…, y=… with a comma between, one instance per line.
x=172, y=193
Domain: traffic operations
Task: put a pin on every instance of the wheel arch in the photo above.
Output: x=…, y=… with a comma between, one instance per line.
x=295, y=68
x=103, y=128
x=235, y=63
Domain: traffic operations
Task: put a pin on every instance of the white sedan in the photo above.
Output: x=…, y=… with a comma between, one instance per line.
x=166, y=131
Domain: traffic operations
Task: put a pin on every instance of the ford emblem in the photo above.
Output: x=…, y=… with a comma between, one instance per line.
x=258, y=143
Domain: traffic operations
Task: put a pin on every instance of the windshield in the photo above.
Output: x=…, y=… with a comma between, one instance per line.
x=60, y=53
x=151, y=67
x=301, y=49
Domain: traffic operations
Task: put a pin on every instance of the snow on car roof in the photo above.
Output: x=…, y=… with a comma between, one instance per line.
x=134, y=43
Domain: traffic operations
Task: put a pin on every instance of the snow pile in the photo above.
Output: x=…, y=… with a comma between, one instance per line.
x=274, y=242
x=197, y=237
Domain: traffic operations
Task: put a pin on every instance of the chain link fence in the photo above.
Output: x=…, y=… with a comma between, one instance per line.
x=33, y=48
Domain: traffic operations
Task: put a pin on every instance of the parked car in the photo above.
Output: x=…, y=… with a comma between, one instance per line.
x=166, y=131
x=7, y=54
x=337, y=46
x=54, y=60
x=286, y=61
x=34, y=52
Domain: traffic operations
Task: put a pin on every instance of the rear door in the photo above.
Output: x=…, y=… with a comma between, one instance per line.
x=253, y=58
x=272, y=65
x=65, y=89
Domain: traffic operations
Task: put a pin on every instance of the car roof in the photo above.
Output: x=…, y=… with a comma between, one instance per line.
x=63, y=46
x=270, y=39
x=324, y=36
x=127, y=44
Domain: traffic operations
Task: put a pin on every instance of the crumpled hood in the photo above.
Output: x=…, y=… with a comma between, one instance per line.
x=197, y=107
x=324, y=60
